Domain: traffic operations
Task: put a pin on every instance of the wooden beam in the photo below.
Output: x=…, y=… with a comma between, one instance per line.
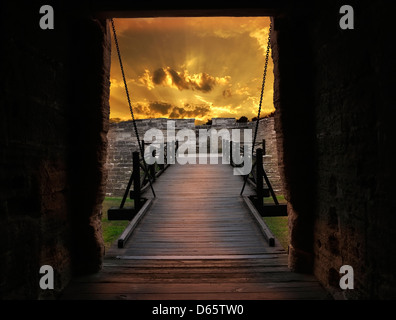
x=106, y=9
x=259, y=179
x=132, y=225
x=211, y=257
x=136, y=179
x=263, y=227
x=274, y=210
x=116, y=213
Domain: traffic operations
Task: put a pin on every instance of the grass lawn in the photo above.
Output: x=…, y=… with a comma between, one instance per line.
x=281, y=200
x=111, y=230
x=278, y=225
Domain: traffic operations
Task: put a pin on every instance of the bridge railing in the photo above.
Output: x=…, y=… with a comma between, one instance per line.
x=142, y=174
x=259, y=179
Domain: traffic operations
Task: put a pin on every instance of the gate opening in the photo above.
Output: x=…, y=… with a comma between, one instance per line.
x=201, y=72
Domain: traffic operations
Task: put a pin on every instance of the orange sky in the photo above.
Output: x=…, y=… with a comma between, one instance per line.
x=191, y=68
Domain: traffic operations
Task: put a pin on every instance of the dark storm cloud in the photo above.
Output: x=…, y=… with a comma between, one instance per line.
x=160, y=107
x=179, y=81
x=206, y=83
x=139, y=108
x=159, y=76
x=182, y=80
x=190, y=112
x=155, y=109
x=227, y=93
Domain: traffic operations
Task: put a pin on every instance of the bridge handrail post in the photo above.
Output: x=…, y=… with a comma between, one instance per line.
x=231, y=160
x=152, y=166
x=136, y=179
x=166, y=152
x=264, y=153
x=259, y=179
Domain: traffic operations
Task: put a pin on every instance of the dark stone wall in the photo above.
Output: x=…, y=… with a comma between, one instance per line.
x=333, y=122
x=53, y=120
x=89, y=123
x=266, y=131
x=355, y=208
x=294, y=126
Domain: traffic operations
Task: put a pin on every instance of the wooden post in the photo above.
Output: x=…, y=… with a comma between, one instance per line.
x=264, y=151
x=127, y=190
x=176, y=148
x=166, y=152
x=231, y=161
x=136, y=179
x=259, y=179
x=152, y=166
x=152, y=171
x=162, y=165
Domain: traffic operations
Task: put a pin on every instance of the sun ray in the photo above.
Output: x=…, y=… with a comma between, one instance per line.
x=199, y=67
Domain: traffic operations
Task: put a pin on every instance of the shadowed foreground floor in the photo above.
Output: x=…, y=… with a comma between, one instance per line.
x=198, y=240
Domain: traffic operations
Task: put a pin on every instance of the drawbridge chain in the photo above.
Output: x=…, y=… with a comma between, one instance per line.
x=130, y=105
x=261, y=98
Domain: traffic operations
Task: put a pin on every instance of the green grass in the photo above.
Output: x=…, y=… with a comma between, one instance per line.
x=281, y=199
x=278, y=226
x=111, y=230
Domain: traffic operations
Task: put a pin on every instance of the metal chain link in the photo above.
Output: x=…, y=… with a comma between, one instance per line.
x=129, y=103
x=261, y=97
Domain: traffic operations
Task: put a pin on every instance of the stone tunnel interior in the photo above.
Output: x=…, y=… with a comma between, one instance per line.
x=333, y=122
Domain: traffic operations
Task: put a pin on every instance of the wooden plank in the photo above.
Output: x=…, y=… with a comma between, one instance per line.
x=192, y=224
x=309, y=295
x=198, y=240
x=205, y=257
x=264, y=260
x=274, y=210
x=273, y=290
x=266, y=231
x=132, y=225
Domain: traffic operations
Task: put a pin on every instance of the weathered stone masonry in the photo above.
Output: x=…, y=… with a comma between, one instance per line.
x=332, y=92
x=53, y=119
x=122, y=141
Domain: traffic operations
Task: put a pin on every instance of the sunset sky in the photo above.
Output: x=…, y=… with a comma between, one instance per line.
x=191, y=68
